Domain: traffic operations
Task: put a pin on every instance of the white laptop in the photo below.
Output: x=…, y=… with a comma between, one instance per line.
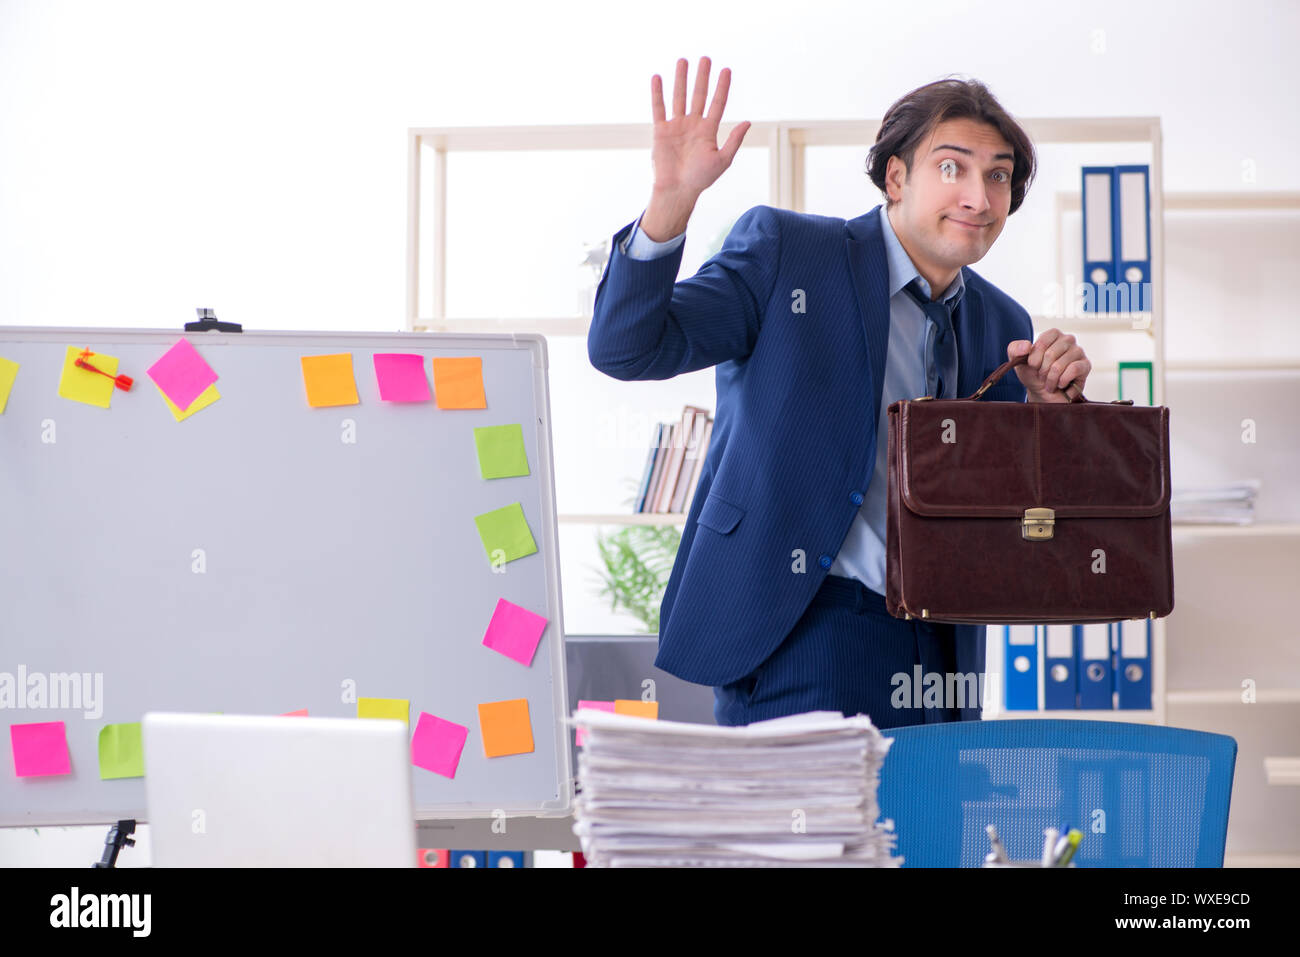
x=252, y=791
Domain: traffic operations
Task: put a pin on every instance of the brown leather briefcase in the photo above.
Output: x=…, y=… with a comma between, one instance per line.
x=1011, y=512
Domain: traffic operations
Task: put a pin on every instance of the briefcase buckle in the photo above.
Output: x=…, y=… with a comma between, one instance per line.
x=1038, y=524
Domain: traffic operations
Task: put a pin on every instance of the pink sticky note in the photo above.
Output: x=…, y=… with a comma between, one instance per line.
x=401, y=377
x=514, y=632
x=300, y=713
x=595, y=706
x=40, y=748
x=182, y=374
x=437, y=744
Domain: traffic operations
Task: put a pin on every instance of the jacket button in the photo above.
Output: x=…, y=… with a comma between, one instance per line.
x=825, y=561
x=855, y=498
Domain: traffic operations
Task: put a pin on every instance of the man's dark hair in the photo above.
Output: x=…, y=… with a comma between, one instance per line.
x=913, y=116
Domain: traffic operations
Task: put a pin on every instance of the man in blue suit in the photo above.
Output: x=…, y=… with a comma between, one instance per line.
x=816, y=325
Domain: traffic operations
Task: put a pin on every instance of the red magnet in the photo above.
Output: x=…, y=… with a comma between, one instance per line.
x=123, y=382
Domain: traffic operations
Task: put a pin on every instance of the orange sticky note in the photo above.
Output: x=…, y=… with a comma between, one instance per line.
x=329, y=380
x=300, y=713
x=639, y=709
x=505, y=727
x=458, y=382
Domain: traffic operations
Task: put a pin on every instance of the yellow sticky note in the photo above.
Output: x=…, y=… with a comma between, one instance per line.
x=329, y=380
x=458, y=382
x=399, y=708
x=639, y=709
x=82, y=385
x=505, y=727
x=205, y=399
x=8, y=372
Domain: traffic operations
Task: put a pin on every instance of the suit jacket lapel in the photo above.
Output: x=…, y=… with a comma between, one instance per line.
x=870, y=272
x=968, y=320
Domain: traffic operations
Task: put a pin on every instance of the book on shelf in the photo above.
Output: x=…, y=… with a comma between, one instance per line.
x=697, y=466
x=665, y=444
x=673, y=456
x=673, y=464
x=685, y=436
x=652, y=461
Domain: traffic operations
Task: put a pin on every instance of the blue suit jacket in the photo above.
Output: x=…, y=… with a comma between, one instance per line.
x=794, y=433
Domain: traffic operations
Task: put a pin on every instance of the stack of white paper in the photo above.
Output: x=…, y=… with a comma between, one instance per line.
x=1232, y=504
x=791, y=792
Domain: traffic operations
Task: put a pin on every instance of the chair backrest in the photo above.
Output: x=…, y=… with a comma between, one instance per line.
x=1143, y=795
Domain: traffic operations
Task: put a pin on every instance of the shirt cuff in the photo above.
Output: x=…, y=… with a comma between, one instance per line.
x=641, y=246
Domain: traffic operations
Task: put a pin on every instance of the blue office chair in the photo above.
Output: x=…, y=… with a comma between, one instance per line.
x=1143, y=795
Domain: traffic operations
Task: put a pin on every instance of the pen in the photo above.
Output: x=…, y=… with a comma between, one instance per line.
x=123, y=382
x=1074, y=837
x=1061, y=844
x=998, y=849
x=1049, y=845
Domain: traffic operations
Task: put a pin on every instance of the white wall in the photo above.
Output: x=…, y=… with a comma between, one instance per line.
x=157, y=156
x=251, y=156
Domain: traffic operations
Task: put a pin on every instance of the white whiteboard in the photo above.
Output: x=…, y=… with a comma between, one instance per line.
x=324, y=561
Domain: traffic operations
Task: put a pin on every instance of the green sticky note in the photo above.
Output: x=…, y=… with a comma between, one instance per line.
x=399, y=708
x=8, y=372
x=121, y=751
x=505, y=530
x=500, y=451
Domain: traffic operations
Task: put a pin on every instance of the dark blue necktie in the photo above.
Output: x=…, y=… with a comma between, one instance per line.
x=940, y=343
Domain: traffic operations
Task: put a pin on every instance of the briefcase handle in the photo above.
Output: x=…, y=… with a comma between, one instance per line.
x=1007, y=366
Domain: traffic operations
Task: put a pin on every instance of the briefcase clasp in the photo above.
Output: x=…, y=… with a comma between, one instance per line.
x=1038, y=524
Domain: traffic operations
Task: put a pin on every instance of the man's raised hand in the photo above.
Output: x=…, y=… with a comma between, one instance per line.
x=685, y=153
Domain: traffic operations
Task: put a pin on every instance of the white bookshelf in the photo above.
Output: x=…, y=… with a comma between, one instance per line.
x=786, y=144
x=1254, y=530
x=1140, y=334
x=1234, y=561
x=1233, y=696
x=1140, y=716
x=641, y=518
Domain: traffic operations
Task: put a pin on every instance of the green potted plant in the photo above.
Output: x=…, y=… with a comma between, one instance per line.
x=637, y=561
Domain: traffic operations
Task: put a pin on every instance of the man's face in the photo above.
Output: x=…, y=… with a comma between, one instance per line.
x=955, y=200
